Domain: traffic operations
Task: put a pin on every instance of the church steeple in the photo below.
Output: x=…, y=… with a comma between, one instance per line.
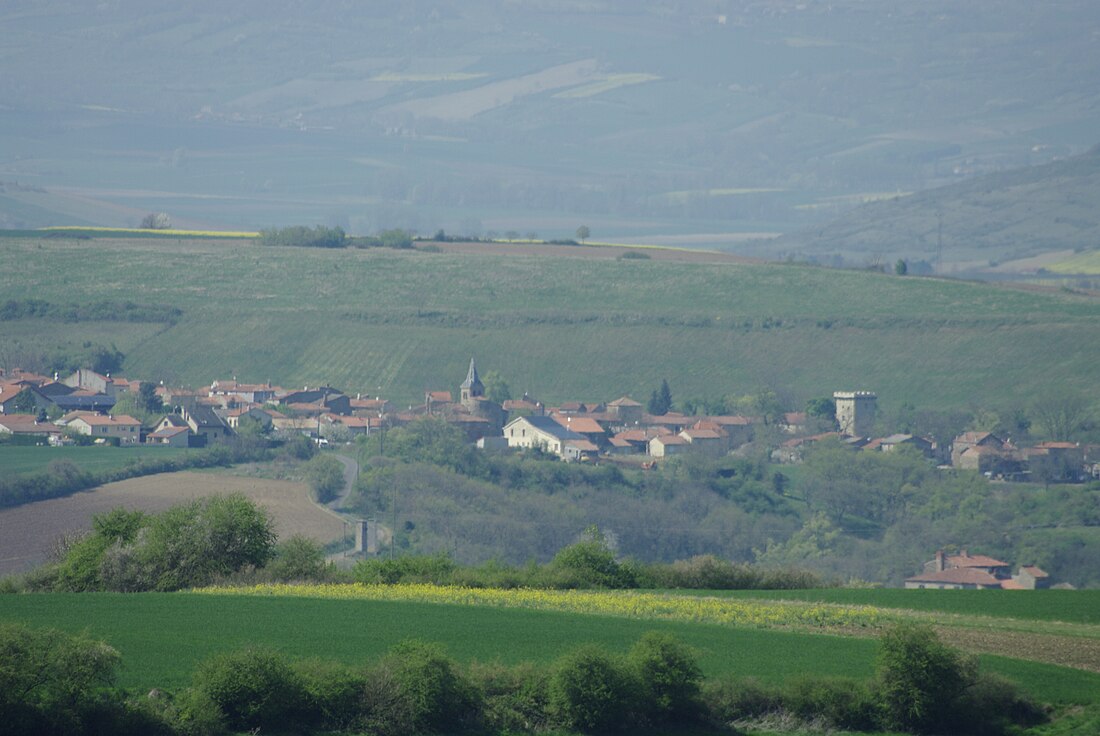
x=472, y=387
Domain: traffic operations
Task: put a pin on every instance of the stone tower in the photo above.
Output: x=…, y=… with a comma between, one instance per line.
x=472, y=388
x=855, y=412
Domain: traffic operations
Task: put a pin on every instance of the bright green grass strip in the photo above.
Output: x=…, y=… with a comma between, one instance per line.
x=1071, y=606
x=162, y=636
x=17, y=460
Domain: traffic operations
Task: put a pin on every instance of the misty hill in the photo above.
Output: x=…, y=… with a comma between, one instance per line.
x=996, y=217
x=639, y=119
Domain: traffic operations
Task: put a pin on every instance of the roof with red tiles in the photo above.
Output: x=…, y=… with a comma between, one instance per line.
x=580, y=425
x=968, y=560
x=958, y=576
x=700, y=434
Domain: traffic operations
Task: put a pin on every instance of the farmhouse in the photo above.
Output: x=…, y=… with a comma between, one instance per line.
x=976, y=572
x=170, y=437
x=541, y=432
x=125, y=429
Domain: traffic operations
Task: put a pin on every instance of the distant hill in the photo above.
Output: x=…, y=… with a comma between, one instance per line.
x=991, y=218
x=639, y=118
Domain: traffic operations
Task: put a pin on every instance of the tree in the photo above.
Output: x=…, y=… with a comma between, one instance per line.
x=156, y=221
x=920, y=680
x=496, y=388
x=660, y=401
x=592, y=691
x=437, y=699
x=1060, y=416
x=669, y=676
x=24, y=403
x=298, y=558
x=147, y=398
x=583, y=232
x=325, y=476
x=591, y=563
x=254, y=688
x=901, y=268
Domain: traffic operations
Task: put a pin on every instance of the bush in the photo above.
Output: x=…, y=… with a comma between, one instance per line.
x=669, y=676
x=254, y=689
x=590, y=563
x=735, y=699
x=842, y=703
x=592, y=691
x=920, y=680
x=437, y=569
x=325, y=475
x=515, y=699
x=992, y=705
x=335, y=693
x=51, y=682
x=435, y=697
x=298, y=559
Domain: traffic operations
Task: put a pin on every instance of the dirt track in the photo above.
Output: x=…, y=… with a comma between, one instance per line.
x=28, y=533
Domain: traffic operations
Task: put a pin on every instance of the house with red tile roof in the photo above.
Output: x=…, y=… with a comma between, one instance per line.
x=980, y=572
x=123, y=428
x=28, y=425
x=666, y=445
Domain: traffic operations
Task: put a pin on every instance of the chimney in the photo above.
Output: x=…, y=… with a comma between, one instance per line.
x=940, y=564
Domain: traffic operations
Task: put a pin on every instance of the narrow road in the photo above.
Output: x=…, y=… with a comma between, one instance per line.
x=351, y=471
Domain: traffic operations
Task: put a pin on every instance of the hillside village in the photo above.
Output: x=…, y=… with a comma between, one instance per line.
x=79, y=407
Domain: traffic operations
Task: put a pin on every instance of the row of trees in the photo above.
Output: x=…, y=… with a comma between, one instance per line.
x=52, y=682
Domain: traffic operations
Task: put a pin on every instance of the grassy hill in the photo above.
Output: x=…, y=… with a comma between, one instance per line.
x=981, y=221
x=565, y=327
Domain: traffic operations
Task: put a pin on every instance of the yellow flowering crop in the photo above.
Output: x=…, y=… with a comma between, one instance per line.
x=630, y=604
x=191, y=233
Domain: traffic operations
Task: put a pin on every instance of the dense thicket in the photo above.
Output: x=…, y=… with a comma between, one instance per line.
x=51, y=682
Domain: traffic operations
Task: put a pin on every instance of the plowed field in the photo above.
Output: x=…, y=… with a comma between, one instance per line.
x=28, y=532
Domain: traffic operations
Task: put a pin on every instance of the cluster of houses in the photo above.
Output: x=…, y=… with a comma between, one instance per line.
x=984, y=452
x=977, y=572
x=578, y=430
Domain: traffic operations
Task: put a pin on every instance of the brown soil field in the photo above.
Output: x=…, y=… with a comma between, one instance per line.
x=604, y=252
x=28, y=533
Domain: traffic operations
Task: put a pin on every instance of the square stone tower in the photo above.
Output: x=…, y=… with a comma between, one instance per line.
x=855, y=412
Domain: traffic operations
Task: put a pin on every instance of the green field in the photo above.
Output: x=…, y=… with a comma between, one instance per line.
x=560, y=327
x=17, y=460
x=163, y=636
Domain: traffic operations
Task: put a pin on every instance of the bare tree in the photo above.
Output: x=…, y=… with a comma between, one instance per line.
x=1061, y=416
